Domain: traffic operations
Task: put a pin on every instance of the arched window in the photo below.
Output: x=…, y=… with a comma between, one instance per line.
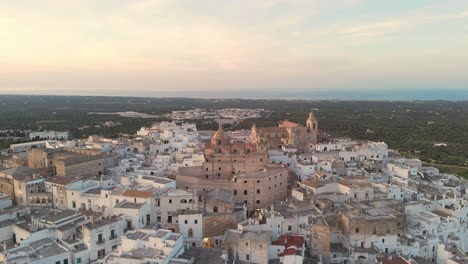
x=215, y=209
x=183, y=201
x=190, y=232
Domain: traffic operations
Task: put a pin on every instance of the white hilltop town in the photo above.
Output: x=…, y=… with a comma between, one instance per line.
x=171, y=194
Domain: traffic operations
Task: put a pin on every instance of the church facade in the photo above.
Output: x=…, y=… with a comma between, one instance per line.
x=288, y=133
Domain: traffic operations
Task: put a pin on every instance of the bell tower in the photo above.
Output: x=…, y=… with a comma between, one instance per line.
x=312, y=124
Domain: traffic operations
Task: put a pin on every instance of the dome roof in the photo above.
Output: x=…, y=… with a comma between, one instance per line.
x=219, y=135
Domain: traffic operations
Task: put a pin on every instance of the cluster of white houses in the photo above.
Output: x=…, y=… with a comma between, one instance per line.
x=286, y=194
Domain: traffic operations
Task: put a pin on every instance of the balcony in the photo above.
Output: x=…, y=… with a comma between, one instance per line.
x=100, y=241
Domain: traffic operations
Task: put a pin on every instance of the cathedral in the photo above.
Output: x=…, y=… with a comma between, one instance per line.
x=240, y=167
x=288, y=133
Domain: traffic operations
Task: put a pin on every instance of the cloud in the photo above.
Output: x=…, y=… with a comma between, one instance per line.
x=373, y=29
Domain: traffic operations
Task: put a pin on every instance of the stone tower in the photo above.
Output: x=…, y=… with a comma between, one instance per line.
x=312, y=124
x=312, y=130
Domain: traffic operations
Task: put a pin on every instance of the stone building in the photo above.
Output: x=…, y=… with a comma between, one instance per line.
x=67, y=162
x=320, y=238
x=206, y=226
x=288, y=133
x=247, y=247
x=58, y=186
x=372, y=225
x=25, y=186
x=240, y=167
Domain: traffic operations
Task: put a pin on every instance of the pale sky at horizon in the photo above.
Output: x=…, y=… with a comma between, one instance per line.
x=132, y=46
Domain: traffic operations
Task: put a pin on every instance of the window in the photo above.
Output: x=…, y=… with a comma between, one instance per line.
x=101, y=253
x=196, y=221
x=99, y=239
x=245, y=181
x=235, y=192
x=245, y=192
x=190, y=232
x=73, y=204
x=185, y=221
x=215, y=209
x=258, y=190
x=57, y=262
x=78, y=261
x=357, y=230
x=258, y=201
x=289, y=228
x=258, y=181
x=170, y=201
x=247, y=257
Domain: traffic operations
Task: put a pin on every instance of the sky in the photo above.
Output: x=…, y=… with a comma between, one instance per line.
x=258, y=48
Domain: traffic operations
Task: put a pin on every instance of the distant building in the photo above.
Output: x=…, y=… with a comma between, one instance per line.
x=288, y=133
x=67, y=162
x=57, y=135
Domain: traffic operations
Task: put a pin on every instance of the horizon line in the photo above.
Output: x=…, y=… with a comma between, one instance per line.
x=235, y=98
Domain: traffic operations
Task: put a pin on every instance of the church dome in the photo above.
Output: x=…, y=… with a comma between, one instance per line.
x=219, y=135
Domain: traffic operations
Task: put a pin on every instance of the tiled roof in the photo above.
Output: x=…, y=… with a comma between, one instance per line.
x=292, y=244
x=394, y=260
x=289, y=241
x=137, y=193
x=288, y=124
